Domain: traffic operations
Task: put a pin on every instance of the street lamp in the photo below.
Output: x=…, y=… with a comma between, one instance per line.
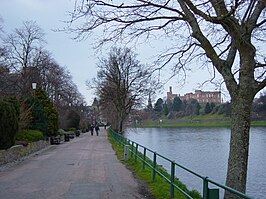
x=34, y=85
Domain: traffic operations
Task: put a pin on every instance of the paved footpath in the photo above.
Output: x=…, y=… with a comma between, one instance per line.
x=84, y=168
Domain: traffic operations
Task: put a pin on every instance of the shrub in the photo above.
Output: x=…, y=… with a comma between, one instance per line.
x=61, y=132
x=9, y=113
x=70, y=129
x=29, y=135
x=39, y=120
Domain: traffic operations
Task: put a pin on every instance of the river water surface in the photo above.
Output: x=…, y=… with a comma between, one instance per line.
x=205, y=151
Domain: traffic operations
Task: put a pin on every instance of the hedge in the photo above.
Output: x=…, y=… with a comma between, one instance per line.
x=29, y=135
x=9, y=114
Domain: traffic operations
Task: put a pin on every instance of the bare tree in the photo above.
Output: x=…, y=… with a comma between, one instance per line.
x=228, y=34
x=121, y=83
x=24, y=60
x=57, y=82
x=22, y=52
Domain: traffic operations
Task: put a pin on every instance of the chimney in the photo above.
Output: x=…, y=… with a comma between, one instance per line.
x=170, y=89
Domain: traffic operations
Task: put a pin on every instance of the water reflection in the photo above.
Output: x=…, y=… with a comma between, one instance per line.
x=205, y=150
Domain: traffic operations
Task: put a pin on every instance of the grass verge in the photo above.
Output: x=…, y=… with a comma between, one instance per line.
x=189, y=124
x=159, y=187
x=202, y=123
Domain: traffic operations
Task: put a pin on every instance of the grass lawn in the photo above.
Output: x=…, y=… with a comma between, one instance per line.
x=211, y=120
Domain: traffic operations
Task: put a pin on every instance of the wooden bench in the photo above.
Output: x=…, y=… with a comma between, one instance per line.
x=55, y=140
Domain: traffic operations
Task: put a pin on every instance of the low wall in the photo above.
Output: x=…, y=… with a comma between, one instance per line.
x=18, y=151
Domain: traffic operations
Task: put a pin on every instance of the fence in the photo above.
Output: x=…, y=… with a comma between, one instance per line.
x=135, y=151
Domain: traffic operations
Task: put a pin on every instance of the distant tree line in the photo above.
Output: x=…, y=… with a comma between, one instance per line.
x=178, y=108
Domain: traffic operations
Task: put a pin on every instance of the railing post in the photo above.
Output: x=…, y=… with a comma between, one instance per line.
x=144, y=158
x=172, y=189
x=126, y=152
x=136, y=152
x=154, y=166
x=205, y=188
x=124, y=140
x=132, y=148
x=120, y=139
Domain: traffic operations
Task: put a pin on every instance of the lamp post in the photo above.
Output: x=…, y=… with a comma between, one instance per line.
x=34, y=85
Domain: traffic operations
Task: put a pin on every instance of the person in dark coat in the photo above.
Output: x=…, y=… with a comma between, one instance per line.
x=97, y=129
x=91, y=129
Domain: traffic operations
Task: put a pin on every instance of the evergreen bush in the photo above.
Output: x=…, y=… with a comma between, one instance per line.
x=61, y=132
x=29, y=135
x=50, y=112
x=9, y=116
x=70, y=129
x=39, y=118
x=208, y=108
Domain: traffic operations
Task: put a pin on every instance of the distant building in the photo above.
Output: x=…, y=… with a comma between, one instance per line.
x=199, y=95
x=170, y=96
x=204, y=96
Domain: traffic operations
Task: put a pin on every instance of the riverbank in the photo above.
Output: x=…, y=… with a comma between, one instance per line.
x=158, y=186
x=192, y=122
x=205, y=151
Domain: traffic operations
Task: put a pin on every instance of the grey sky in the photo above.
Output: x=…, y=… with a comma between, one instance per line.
x=78, y=57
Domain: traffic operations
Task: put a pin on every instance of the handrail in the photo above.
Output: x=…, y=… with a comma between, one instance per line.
x=125, y=141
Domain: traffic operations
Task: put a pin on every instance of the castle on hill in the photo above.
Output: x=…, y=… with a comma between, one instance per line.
x=199, y=95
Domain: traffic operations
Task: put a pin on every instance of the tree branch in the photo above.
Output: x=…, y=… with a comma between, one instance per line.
x=252, y=20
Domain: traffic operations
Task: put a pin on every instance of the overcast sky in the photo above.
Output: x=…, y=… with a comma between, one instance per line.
x=78, y=57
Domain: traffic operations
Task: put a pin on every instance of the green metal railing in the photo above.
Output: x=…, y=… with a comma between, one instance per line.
x=135, y=151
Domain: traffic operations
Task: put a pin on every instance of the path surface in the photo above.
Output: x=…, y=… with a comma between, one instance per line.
x=85, y=167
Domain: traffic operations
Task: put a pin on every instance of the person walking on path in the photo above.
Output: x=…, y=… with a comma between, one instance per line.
x=91, y=129
x=97, y=129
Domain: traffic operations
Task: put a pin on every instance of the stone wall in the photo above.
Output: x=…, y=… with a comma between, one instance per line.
x=18, y=151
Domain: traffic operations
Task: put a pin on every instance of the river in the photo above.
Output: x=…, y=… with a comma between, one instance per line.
x=205, y=150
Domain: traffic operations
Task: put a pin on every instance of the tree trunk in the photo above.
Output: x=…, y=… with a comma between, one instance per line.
x=120, y=122
x=121, y=126
x=239, y=144
x=242, y=98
